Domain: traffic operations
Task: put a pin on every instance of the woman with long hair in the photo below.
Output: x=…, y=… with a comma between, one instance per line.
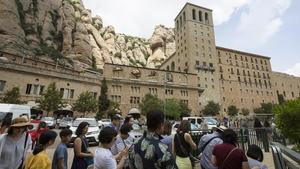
x=19, y=141
x=39, y=157
x=81, y=154
x=182, y=145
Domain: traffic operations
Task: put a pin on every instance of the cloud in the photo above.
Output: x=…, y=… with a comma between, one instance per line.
x=295, y=70
x=138, y=18
x=259, y=22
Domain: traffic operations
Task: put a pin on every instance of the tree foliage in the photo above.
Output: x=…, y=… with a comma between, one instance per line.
x=232, y=110
x=245, y=112
x=86, y=103
x=51, y=100
x=12, y=96
x=172, y=109
x=211, y=109
x=287, y=117
x=184, y=109
x=265, y=108
x=150, y=102
x=103, y=99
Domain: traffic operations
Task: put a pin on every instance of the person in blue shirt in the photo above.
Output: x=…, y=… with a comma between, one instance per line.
x=60, y=158
x=115, y=122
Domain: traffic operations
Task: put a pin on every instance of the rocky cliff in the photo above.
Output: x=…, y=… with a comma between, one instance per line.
x=65, y=31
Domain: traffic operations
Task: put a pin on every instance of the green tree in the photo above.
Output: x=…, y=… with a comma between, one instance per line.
x=150, y=102
x=51, y=100
x=245, y=112
x=211, y=109
x=185, y=111
x=265, y=108
x=103, y=99
x=287, y=116
x=86, y=103
x=172, y=109
x=12, y=96
x=232, y=110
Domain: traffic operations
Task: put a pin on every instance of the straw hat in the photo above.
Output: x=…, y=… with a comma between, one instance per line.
x=20, y=122
x=221, y=128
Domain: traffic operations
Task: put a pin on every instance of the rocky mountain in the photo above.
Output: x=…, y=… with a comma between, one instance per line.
x=65, y=31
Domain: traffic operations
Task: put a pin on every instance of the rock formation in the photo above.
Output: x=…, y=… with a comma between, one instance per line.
x=65, y=30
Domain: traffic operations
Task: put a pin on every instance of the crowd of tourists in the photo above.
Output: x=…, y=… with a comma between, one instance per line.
x=156, y=149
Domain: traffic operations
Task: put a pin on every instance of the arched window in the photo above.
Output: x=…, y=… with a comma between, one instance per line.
x=200, y=16
x=194, y=14
x=184, y=18
x=206, y=18
x=168, y=68
x=172, y=66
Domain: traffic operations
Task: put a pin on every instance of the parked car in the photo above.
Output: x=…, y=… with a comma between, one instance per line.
x=65, y=122
x=209, y=123
x=51, y=122
x=93, y=130
x=194, y=120
x=194, y=128
x=104, y=122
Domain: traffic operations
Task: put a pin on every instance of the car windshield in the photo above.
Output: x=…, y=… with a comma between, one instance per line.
x=2, y=115
x=194, y=127
x=92, y=123
x=211, y=121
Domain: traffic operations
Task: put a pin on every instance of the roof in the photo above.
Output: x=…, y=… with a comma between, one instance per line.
x=241, y=52
x=197, y=6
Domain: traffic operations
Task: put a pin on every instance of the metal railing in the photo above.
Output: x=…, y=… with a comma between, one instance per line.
x=284, y=158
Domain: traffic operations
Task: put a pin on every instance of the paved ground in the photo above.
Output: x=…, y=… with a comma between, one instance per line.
x=268, y=158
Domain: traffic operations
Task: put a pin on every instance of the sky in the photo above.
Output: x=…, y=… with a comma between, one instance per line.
x=265, y=27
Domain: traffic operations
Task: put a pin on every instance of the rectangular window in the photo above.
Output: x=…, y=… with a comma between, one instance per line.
x=41, y=90
x=2, y=85
x=72, y=94
x=28, y=88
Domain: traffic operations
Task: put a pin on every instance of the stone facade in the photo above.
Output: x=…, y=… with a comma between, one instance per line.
x=230, y=77
x=127, y=85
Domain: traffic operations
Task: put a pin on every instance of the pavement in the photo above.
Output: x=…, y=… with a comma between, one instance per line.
x=268, y=158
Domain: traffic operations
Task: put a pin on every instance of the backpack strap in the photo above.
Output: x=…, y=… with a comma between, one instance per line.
x=202, y=148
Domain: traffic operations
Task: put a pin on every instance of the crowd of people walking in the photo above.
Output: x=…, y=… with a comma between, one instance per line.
x=156, y=149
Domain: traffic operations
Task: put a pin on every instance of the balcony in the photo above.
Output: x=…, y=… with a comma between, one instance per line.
x=207, y=68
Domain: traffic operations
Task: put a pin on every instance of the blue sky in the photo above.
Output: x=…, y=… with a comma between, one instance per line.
x=267, y=27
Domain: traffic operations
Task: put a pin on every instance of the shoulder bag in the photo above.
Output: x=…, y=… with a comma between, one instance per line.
x=228, y=156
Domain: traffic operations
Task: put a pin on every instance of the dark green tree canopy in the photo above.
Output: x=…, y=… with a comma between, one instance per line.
x=51, y=100
x=265, y=108
x=103, y=99
x=287, y=118
x=232, y=110
x=245, y=112
x=172, y=108
x=150, y=102
x=86, y=103
x=211, y=109
x=12, y=96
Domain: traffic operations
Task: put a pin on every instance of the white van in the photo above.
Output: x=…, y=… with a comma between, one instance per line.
x=194, y=120
x=11, y=111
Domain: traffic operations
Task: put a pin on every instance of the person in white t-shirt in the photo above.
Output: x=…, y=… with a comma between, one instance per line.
x=103, y=158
